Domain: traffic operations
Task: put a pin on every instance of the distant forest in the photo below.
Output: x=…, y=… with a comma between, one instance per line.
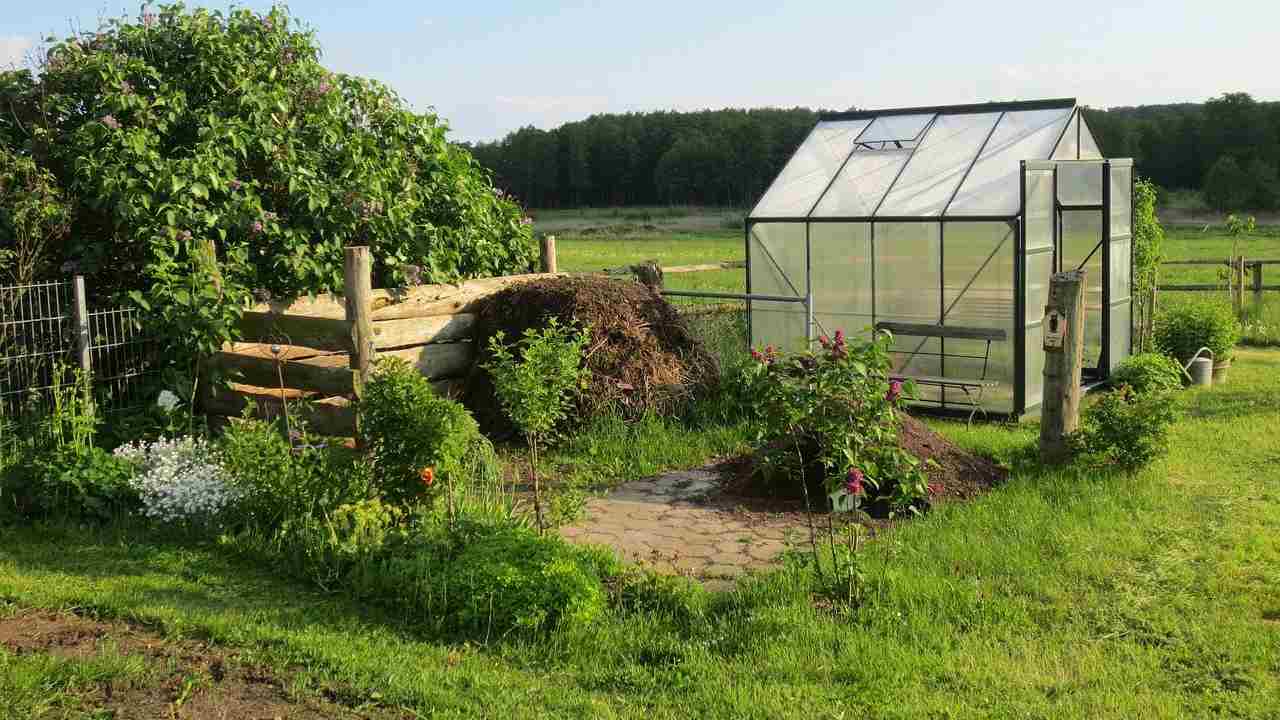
x=1228, y=147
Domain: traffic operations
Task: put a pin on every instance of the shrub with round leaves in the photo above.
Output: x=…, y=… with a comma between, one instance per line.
x=1185, y=327
x=188, y=125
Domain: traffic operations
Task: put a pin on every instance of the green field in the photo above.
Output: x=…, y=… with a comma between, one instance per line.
x=1058, y=595
x=615, y=242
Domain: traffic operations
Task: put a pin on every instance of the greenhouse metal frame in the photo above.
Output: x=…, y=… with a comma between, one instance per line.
x=946, y=222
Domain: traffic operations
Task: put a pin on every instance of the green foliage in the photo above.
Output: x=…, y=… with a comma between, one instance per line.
x=186, y=126
x=1148, y=373
x=537, y=377
x=1240, y=225
x=1125, y=430
x=278, y=480
x=1183, y=328
x=33, y=215
x=83, y=484
x=1148, y=253
x=832, y=412
x=410, y=429
x=1227, y=186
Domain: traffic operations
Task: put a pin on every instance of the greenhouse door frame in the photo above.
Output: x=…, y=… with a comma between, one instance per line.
x=1090, y=376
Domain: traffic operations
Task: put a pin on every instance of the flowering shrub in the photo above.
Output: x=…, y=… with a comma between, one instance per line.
x=179, y=479
x=828, y=417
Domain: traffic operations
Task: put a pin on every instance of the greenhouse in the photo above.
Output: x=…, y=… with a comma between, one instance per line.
x=943, y=226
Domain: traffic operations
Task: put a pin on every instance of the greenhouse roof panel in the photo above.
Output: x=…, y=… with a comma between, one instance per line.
x=807, y=174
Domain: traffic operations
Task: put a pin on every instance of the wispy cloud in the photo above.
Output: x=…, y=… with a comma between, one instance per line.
x=13, y=50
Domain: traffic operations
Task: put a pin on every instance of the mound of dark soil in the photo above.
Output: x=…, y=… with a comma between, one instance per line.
x=955, y=473
x=959, y=473
x=641, y=356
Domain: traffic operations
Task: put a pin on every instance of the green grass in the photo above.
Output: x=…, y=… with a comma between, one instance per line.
x=39, y=685
x=1057, y=595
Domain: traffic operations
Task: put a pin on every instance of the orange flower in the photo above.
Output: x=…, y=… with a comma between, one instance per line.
x=428, y=476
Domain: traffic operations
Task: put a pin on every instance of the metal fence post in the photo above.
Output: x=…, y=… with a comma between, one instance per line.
x=84, y=338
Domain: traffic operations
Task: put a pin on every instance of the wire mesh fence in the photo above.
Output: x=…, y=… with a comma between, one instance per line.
x=40, y=349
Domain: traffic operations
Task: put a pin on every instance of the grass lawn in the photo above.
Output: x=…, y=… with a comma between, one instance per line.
x=1056, y=595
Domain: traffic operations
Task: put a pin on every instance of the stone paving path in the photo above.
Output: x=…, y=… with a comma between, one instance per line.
x=678, y=523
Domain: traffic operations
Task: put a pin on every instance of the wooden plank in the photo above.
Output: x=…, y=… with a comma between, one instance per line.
x=299, y=330
x=419, y=301
x=420, y=331
x=325, y=416
x=438, y=360
x=1211, y=288
x=325, y=374
x=956, y=332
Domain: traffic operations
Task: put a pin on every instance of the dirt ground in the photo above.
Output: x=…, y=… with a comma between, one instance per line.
x=185, y=680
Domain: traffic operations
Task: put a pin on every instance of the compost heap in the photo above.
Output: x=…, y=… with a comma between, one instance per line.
x=641, y=355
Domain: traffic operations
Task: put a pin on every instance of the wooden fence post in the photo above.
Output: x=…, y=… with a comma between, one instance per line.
x=84, y=339
x=547, y=255
x=649, y=273
x=358, y=290
x=1063, y=351
x=1257, y=284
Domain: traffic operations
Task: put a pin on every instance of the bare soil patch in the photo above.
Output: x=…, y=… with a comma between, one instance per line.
x=186, y=680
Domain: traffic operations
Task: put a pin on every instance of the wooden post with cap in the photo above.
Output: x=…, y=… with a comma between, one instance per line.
x=1063, y=354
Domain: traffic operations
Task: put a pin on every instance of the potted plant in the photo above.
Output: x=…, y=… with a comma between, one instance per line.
x=1184, y=328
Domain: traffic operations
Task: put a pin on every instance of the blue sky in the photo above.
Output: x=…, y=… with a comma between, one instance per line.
x=491, y=67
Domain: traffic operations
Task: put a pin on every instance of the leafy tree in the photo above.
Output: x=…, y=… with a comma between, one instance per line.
x=185, y=126
x=1227, y=186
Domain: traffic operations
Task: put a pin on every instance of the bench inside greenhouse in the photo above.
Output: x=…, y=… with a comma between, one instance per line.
x=973, y=388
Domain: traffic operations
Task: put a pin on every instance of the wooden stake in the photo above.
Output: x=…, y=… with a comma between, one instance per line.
x=1257, y=284
x=1063, y=351
x=357, y=284
x=547, y=259
x=1237, y=273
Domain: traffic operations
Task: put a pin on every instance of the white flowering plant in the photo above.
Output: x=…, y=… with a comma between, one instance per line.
x=179, y=479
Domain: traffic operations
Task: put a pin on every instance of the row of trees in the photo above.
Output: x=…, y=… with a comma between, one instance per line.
x=1228, y=146
x=721, y=157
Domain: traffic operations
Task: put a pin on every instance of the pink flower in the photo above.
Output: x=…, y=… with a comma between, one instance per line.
x=111, y=122
x=824, y=341
x=324, y=87
x=839, y=337
x=148, y=19
x=895, y=391
x=235, y=185
x=256, y=228
x=755, y=355
x=853, y=481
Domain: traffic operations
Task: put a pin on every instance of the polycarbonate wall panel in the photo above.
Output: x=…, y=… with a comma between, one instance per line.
x=776, y=257
x=938, y=164
x=1088, y=145
x=978, y=292
x=907, y=272
x=862, y=183
x=1121, y=327
x=1120, y=267
x=1081, y=239
x=1121, y=199
x=992, y=185
x=1080, y=183
x=915, y=356
x=841, y=269
x=807, y=173
x=1039, y=270
x=1069, y=147
x=1034, y=392
x=887, y=128
x=1039, y=209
